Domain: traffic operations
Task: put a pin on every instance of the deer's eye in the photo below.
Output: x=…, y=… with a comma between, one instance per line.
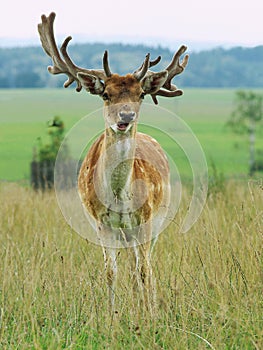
x=142, y=95
x=105, y=96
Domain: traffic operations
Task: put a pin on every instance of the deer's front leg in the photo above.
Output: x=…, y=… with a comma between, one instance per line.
x=111, y=273
x=143, y=271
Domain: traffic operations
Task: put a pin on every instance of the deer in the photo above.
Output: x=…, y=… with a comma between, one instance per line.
x=124, y=180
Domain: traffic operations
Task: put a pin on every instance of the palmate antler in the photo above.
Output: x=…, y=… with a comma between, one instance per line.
x=66, y=66
x=173, y=69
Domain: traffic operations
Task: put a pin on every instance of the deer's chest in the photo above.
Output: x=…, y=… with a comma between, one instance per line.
x=126, y=191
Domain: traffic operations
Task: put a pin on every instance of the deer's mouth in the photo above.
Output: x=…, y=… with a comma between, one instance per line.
x=122, y=126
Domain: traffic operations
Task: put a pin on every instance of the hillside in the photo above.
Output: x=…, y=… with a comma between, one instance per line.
x=237, y=67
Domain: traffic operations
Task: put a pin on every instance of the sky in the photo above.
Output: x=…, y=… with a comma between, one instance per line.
x=166, y=22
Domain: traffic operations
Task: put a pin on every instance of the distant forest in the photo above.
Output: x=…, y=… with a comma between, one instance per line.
x=25, y=67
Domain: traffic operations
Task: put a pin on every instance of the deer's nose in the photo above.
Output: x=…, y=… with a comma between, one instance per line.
x=127, y=117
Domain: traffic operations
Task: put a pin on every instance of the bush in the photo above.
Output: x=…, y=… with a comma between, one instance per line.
x=44, y=156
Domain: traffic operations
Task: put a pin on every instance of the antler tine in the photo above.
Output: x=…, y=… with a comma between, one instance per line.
x=106, y=65
x=173, y=69
x=73, y=69
x=140, y=73
x=48, y=41
x=156, y=61
x=143, y=67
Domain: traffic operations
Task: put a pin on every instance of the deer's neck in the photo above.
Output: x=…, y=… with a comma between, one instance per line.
x=119, y=151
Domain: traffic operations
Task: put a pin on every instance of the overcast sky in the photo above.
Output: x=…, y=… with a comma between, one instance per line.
x=230, y=22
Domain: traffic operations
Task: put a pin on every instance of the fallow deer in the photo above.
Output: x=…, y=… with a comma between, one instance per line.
x=124, y=179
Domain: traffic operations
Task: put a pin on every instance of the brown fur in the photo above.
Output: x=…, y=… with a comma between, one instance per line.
x=146, y=148
x=121, y=88
x=124, y=89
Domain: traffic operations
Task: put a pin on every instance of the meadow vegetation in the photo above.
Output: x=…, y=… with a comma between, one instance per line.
x=25, y=114
x=208, y=281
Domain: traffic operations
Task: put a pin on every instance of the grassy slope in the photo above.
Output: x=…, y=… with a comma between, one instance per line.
x=209, y=281
x=24, y=114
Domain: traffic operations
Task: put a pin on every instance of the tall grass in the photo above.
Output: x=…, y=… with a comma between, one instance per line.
x=208, y=281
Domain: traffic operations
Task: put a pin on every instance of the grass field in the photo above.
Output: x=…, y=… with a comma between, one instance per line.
x=25, y=113
x=208, y=282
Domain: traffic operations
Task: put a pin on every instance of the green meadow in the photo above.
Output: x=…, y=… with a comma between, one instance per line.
x=25, y=113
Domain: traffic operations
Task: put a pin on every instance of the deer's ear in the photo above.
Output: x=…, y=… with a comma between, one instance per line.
x=91, y=83
x=154, y=81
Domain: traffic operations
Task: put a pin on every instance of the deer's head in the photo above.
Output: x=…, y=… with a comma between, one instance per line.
x=122, y=95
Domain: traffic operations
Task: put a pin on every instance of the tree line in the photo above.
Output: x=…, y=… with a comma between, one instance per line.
x=238, y=67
